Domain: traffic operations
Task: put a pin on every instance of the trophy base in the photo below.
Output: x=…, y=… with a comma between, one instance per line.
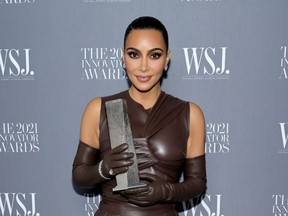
x=126, y=187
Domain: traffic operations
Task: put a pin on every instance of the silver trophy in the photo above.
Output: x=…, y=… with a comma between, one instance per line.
x=120, y=132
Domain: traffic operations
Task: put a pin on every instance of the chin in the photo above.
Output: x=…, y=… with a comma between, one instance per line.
x=144, y=89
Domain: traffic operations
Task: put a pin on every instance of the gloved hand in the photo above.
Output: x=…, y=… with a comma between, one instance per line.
x=117, y=161
x=86, y=164
x=156, y=190
x=153, y=192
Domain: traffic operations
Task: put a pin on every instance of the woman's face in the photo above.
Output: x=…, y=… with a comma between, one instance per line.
x=145, y=56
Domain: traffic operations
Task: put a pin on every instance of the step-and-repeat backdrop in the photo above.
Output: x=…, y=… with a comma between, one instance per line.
x=228, y=56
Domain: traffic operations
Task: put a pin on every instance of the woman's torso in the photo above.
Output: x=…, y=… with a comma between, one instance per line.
x=163, y=131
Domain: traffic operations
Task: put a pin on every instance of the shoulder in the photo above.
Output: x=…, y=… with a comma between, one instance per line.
x=93, y=107
x=196, y=115
x=196, y=141
x=195, y=110
x=91, y=112
x=89, y=131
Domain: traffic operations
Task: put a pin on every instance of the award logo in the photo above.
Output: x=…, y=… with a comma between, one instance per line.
x=15, y=64
x=16, y=1
x=20, y=204
x=102, y=64
x=92, y=203
x=280, y=205
x=206, y=63
x=284, y=64
x=204, y=205
x=19, y=138
x=284, y=136
x=217, y=138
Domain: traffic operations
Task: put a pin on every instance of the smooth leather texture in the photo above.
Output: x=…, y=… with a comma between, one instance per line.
x=160, y=137
x=86, y=164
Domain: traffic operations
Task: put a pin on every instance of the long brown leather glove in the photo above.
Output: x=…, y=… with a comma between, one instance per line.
x=86, y=164
x=194, y=184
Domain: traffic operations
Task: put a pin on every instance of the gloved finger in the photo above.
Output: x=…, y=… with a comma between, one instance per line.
x=121, y=163
x=109, y=164
x=119, y=148
x=133, y=191
x=119, y=158
x=120, y=170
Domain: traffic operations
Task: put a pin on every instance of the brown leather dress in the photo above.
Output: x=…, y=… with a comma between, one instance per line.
x=160, y=136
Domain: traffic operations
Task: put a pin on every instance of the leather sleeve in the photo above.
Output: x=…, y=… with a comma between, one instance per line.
x=156, y=190
x=194, y=183
x=85, y=166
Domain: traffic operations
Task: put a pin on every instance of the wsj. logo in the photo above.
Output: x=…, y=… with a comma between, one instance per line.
x=204, y=205
x=284, y=64
x=102, y=63
x=284, y=134
x=15, y=64
x=19, y=204
x=206, y=63
x=280, y=205
x=16, y=1
x=92, y=203
x=217, y=138
x=19, y=138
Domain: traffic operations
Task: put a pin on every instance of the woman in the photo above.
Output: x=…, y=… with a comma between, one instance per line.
x=172, y=135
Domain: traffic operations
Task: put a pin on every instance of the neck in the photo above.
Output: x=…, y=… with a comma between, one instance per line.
x=146, y=99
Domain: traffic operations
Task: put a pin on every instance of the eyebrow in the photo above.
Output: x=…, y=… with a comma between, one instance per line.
x=154, y=49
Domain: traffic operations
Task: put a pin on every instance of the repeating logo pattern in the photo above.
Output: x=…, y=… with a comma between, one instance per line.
x=284, y=136
x=92, y=203
x=102, y=64
x=16, y=1
x=217, y=138
x=19, y=138
x=280, y=205
x=284, y=63
x=15, y=64
x=205, y=205
x=206, y=63
x=20, y=204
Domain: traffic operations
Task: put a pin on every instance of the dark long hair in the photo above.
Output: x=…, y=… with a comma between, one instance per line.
x=147, y=22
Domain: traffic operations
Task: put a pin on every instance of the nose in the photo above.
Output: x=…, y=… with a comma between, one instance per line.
x=144, y=65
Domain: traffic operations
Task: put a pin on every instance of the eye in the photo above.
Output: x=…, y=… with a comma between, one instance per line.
x=156, y=55
x=133, y=55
